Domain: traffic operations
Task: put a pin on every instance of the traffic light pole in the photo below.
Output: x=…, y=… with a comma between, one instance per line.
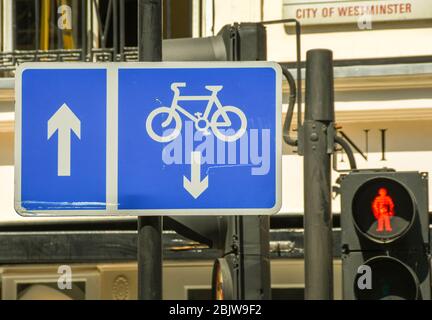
x=150, y=228
x=254, y=281
x=318, y=141
x=253, y=232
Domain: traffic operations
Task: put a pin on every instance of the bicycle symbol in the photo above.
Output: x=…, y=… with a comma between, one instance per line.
x=200, y=120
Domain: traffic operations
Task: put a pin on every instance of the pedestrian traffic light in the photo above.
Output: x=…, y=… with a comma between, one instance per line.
x=385, y=235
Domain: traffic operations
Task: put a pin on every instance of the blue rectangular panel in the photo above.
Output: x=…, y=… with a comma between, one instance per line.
x=74, y=100
x=224, y=118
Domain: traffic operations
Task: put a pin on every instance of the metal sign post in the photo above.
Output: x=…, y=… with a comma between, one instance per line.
x=318, y=141
x=150, y=228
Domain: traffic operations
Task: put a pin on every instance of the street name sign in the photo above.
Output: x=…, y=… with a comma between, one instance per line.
x=327, y=12
x=148, y=138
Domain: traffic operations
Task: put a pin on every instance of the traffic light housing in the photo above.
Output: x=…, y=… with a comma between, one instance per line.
x=243, y=269
x=385, y=235
x=218, y=232
x=251, y=41
x=240, y=41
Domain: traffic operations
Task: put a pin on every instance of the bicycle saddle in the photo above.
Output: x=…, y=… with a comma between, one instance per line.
x=214, y=88
x=176, y=85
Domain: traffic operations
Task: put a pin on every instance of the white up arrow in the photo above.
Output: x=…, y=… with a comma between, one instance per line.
x=195, y=186
x=64, y=121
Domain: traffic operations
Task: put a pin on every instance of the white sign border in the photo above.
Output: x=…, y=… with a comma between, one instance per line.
x=112, y=139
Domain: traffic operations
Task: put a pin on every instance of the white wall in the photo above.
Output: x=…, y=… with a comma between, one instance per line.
x=408, y=148
x=375, y=43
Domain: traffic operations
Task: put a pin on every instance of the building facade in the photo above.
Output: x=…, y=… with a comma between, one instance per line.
x=383, y=78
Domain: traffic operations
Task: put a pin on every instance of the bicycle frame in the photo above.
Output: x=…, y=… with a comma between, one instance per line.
x=212, y=100
x=201, y=120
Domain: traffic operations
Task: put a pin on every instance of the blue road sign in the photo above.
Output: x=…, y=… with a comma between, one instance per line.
x=148, y=138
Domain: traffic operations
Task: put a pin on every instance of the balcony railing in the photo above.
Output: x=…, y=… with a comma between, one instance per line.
x=97, y=31
x=9, y=60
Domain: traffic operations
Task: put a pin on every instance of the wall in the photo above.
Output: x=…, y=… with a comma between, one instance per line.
x=347, y=42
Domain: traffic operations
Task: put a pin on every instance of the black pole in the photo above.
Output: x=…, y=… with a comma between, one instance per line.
x=150, y=228
x=115, y=28
x=254, y=264
x=14, y=26
x=37, y=25
x=84, y=16
x=122, y=30
x=318, y=139
x=150, y=30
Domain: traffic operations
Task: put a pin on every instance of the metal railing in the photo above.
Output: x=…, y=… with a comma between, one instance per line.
x=9, y=60
x=93, y=32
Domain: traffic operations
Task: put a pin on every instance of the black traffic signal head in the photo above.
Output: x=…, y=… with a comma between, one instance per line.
x=243, y=42
x=243, y=272
x=382, y=208
x=395, y=280
x=218, y=232
x=385, y=235
x=246, y=40
x=209, y=230
x=243, y=269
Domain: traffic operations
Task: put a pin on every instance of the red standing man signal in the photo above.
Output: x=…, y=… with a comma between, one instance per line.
x=383, y=210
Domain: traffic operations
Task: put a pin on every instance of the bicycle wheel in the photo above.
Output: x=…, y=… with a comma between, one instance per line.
x=163, y=138
x=228, y=110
